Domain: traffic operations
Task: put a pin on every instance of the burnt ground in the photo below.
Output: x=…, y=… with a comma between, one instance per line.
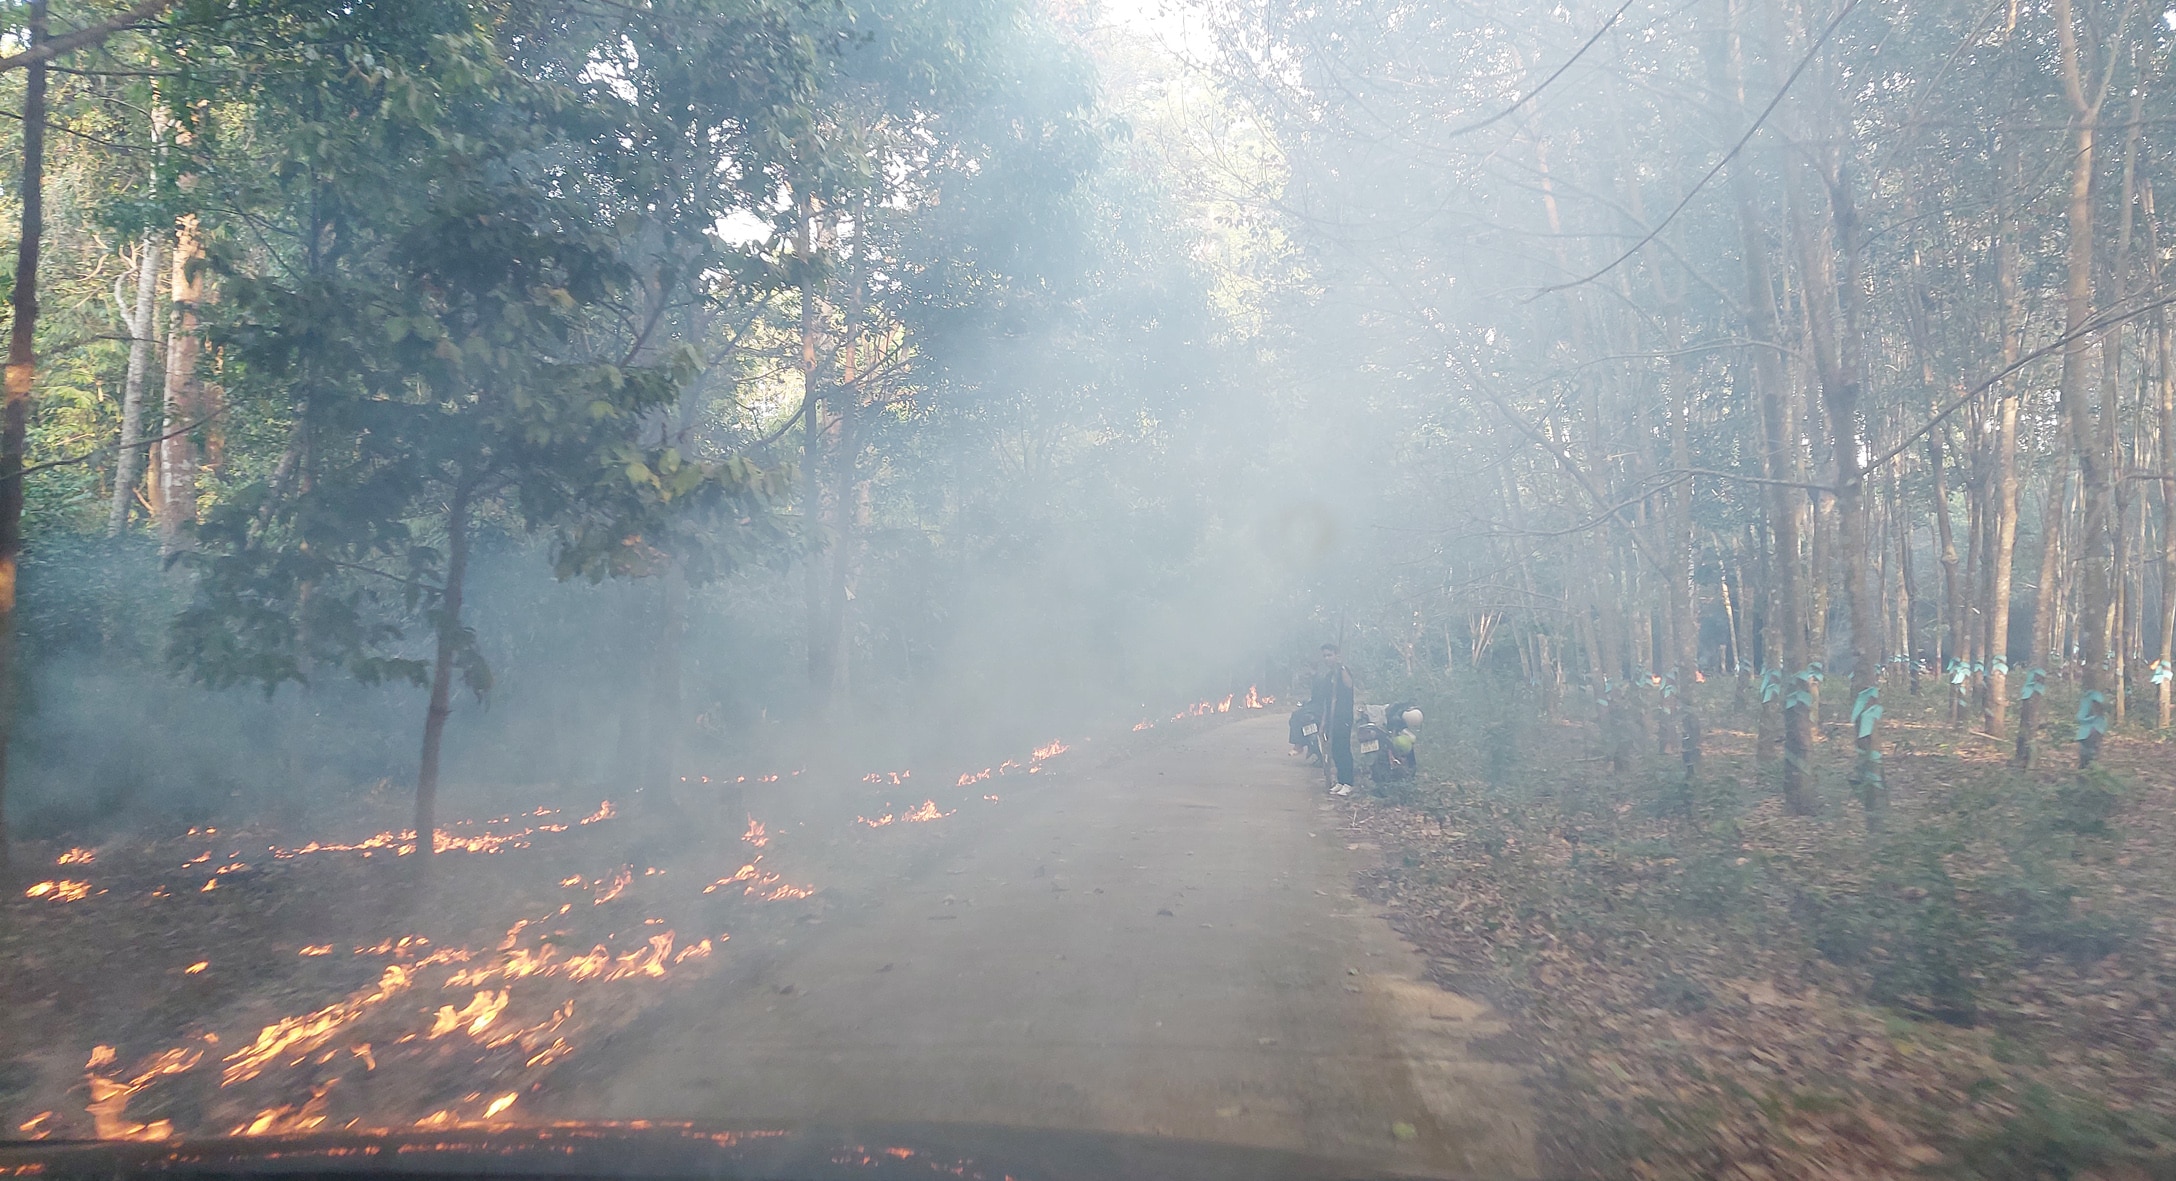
x=1158, y=935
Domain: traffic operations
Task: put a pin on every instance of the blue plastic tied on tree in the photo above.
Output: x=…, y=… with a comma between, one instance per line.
x=2160, y=672
x=1771, y=685
x=2092, y=721
x=1866, y=710
x=1809, y=679
x=2036, y=683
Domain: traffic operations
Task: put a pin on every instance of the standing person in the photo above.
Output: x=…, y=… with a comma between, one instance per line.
x=1333, y=690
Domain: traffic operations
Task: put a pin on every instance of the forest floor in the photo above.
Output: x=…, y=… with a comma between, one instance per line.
x=1704, y=985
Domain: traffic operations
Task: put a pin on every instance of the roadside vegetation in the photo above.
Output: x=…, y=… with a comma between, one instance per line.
x=1980, y=984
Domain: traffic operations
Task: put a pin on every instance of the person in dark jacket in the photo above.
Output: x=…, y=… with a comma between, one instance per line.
x=1333, y=693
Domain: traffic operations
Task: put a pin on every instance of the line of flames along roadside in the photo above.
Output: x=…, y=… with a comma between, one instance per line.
x=366, y=1029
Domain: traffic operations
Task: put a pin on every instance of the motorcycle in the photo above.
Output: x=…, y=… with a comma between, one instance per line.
x=1389, y=746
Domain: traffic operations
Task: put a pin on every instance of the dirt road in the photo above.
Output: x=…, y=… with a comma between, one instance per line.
x=1165, y=943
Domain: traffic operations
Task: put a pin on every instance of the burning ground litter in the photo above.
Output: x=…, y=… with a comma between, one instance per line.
x=242, y=981
x=197, y=988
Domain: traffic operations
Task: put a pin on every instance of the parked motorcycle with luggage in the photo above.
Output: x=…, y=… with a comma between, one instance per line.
x=1389, y=746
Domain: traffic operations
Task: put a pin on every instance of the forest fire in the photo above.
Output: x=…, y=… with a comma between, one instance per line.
x=308, y=1032
x=1224, y=705
x=621, y=878
x=60, y=891
x=921, y=815
x=1036, y=758
x=755, y=835
x=444, y=840
x=754, y=879
x=110, y=1095
x=75, y=857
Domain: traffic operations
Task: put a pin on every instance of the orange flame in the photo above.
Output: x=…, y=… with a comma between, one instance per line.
x=62, y=891
x=482, y=1009
x=443, y=840
x=755, y=835
x=307, y=1032
x=75, y=857
x=620, y=880
x=109, y=1097
x=287, y=1120
x=756, y=879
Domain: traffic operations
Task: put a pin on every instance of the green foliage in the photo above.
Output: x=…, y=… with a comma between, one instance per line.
x=2045, y=920
x=425, y=343
x=2058, y=1136
x=2087, y=803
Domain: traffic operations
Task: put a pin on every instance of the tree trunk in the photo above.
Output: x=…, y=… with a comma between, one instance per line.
x=128, y=462
x=2002, y=559
x=2164, y=672
x=2121, y=620
x=180, y=455
x=835, y=620
x=812, y=488
x=2033, y=693
x=1908, y=632
x=670, y=729
x=22, y=375
x=846, y=447
x=1831, y=277
x=1949, y=654
x=1778, y=462
x=449, y=645
x=2089, y=435
x=1684, y=591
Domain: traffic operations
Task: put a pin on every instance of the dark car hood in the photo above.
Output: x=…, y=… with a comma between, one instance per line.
x=871, y=1152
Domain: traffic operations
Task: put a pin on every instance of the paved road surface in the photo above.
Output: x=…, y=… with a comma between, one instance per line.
x=1166, y=943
